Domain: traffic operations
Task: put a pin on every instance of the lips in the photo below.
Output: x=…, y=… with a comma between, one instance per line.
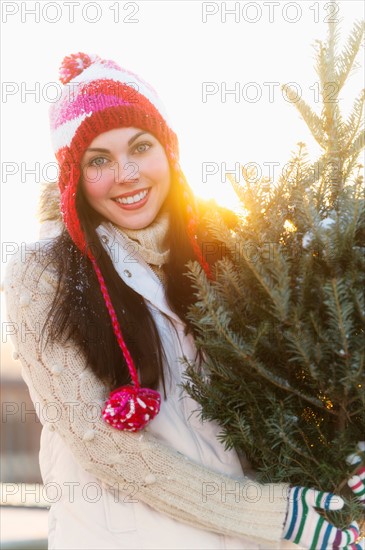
x=133, y=200
x=132, y=197
x=131, y=193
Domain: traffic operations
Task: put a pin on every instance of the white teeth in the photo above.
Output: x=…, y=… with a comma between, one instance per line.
x=134, y=198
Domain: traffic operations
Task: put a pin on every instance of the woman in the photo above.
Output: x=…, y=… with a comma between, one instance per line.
x=102, y=308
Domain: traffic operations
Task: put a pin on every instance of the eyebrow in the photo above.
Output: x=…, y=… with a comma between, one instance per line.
x=100, y=150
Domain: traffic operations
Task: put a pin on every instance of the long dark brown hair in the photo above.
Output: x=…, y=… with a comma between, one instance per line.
x=79, y=313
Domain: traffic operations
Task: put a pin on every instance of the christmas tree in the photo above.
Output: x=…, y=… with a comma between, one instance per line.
x=282, y=321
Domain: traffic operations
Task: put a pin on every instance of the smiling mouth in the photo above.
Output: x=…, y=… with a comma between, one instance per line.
x=131, y=199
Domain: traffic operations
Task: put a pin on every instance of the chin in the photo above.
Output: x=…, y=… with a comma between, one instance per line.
x=136, y=224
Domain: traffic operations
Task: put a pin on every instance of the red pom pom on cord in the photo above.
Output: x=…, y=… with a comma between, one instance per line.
x=130, y=408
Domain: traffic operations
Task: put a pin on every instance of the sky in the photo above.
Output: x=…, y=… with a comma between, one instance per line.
x=193, y=53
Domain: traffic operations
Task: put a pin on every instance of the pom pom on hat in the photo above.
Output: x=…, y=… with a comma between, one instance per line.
x=74, y=64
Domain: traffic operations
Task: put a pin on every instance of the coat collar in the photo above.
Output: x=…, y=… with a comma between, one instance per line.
x=132, y=268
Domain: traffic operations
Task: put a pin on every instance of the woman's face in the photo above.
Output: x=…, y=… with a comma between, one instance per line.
x=126, y=176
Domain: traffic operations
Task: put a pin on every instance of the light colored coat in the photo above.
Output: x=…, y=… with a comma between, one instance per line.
x=88, y=509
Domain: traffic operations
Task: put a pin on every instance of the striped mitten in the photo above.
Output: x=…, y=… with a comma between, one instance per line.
x=306, y=527
x=357, y=481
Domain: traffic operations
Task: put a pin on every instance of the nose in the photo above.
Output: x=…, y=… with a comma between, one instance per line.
x=125, y=171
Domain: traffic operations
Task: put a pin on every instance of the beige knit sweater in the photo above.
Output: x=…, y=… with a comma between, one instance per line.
x=167, y=481
x=152, y=243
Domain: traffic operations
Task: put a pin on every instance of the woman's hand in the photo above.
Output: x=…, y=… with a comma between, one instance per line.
x=357, y=481
x=306, y=527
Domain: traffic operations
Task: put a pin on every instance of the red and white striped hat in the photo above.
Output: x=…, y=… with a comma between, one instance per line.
x=98, y=96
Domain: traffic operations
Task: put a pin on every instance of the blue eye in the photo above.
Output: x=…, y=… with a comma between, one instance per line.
x=142, y=147
x=98, y=161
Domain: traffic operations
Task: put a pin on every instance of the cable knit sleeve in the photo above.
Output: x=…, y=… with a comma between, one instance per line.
x=166, y=480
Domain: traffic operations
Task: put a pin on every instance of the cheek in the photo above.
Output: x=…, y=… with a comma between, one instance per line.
x=96, y=186
x=158, y=168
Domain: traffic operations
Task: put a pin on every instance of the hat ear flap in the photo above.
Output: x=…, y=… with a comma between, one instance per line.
x=70, y=214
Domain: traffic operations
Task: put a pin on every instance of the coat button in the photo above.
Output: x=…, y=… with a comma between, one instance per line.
x=127, y=273
x=24, y=299
x=88, y=435
x=150, y=478
x=57, y=369
x=105, y=239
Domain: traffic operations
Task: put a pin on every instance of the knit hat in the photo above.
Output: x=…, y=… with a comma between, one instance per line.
x=99, y=96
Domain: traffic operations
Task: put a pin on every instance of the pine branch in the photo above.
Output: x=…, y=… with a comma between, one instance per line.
x=313, y=121
x=308, y=456
x=355, y=120
x=321, y=63
x=229, y=275
x=244, y=353
x=357, y=145
x=346, y=59
x=299, y=345
x=340, y=312
x=333, y=37
x=219, y=319
x=273, y=284
x=350, y=164
x=313, y=172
